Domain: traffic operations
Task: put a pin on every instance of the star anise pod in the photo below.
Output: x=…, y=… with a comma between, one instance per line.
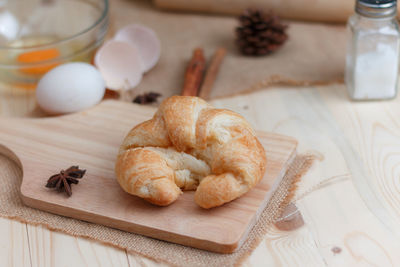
x=63, y=180
x=146, y=98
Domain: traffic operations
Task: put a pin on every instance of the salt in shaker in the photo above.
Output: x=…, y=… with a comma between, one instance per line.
x=372, y=58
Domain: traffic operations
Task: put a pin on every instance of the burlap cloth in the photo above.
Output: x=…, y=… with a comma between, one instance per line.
x=178, y=255
x=314, y=53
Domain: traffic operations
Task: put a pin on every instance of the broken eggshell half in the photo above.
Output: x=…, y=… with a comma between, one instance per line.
x=145, y=40
x=120, y=65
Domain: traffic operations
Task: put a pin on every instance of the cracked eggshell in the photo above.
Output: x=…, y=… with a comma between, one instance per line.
x=119, y=64
x=145, y=40
x=69, y=88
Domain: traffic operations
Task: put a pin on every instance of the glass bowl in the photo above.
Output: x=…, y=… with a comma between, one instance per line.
x=37, y=35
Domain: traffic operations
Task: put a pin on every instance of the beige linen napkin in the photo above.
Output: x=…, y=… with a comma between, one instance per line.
x=314, y=53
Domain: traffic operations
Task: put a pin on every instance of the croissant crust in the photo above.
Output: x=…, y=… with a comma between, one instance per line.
x=190, y=145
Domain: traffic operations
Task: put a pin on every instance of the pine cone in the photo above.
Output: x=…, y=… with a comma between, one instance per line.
x=260, y=33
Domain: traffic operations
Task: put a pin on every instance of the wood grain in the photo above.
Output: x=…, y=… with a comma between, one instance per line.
x=14, y=250
x=322, y=119
x=327, y=124
x=337, y=214
x=56, y=249
x=283, y=248
x=305, y=10
x=91, y=140
x=373, y=129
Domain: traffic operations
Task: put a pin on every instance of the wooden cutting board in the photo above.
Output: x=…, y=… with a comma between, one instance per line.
x=91, y=140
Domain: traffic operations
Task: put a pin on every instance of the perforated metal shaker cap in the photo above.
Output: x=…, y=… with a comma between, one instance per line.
x=376, y=8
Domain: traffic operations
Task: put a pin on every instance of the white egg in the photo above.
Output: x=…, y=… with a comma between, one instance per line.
x=145, y=40
x=69, y=88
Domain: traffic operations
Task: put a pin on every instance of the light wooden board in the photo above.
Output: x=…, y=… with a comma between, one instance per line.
x=49, y=248
x=14, y=244
x=91, y=140
x=335, y=215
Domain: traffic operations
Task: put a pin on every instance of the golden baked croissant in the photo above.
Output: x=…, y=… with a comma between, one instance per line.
x=190, y=145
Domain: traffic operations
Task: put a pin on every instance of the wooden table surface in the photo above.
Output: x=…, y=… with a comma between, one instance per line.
x=357, y=144
x=349, y=200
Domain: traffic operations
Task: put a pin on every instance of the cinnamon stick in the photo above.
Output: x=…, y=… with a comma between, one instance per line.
x=212, y=72
x=194, y=73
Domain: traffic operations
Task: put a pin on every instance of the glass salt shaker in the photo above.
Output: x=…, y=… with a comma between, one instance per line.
x=372, y=58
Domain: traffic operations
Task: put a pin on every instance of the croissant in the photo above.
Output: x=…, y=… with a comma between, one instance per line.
x=189, y=145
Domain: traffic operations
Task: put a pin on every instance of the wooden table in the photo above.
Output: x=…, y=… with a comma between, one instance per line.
x=356, y=143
